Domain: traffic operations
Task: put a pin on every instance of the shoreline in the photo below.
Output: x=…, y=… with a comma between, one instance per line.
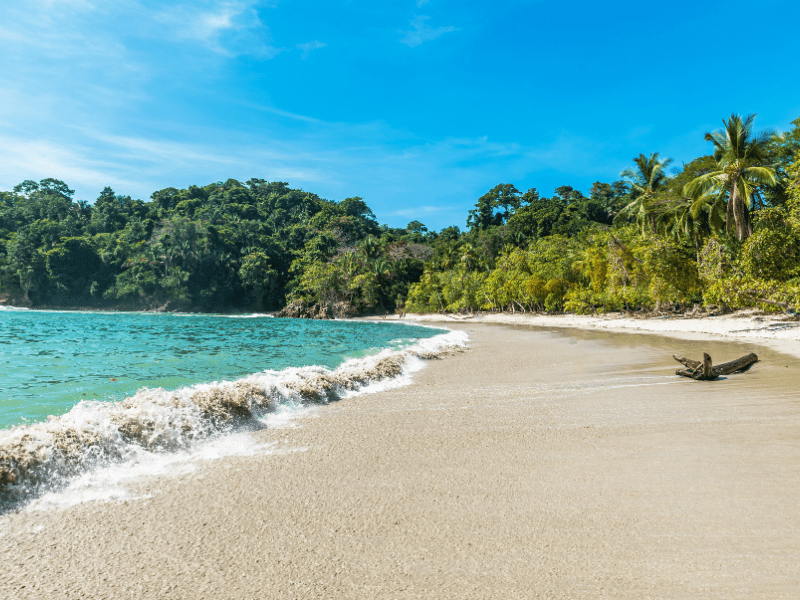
x=776, y=332
x=144, y=423
x=96, y=309
x=541, y=463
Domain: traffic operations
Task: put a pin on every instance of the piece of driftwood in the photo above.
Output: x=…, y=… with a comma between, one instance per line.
x=705, y=371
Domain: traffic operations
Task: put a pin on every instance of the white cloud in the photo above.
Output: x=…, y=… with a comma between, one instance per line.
x=76, y=85
x=281, y=113
x=398, y=175
x=421, y=210
x=231, y=28
x=309, y=47
x=140, y=165
x=422, y=2
x=422, y=32
x=104, y=30
x=56, y=32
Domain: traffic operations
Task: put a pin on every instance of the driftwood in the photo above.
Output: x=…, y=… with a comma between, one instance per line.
x=705, y=371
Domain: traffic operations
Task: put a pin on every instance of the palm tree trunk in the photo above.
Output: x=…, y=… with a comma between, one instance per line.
x=696, y=247
x=747, y=220
x=740, y=213
x=729, y=217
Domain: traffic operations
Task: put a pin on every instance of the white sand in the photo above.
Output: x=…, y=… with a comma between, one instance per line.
x=775, y=331
x=561, y=464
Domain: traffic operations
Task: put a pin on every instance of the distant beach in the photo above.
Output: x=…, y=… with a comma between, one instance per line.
x=778, y=331
x=537, y=464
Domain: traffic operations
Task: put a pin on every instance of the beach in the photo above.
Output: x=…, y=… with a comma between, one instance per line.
x=778, y=331
x=542, y=462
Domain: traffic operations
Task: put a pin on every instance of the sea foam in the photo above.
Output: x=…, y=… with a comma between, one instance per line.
x=177, y=425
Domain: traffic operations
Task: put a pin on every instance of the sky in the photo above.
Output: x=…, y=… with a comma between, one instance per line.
x=418, y=106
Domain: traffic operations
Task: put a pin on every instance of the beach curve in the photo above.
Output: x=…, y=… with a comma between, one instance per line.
x=538, y=464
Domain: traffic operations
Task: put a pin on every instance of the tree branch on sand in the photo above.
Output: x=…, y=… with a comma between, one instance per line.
x=705, y=371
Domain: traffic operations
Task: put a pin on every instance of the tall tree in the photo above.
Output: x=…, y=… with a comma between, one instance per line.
x=504, y=198
x=780, y=151
x=741, y=161
x=648, y=178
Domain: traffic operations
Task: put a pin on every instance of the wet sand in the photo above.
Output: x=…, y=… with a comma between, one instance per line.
x=778, y=331
x=538, y=464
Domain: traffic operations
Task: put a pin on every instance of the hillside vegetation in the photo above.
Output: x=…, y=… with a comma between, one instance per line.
x=721, y=231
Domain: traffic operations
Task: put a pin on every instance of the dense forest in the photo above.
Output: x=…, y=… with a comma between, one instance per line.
x=719, y=232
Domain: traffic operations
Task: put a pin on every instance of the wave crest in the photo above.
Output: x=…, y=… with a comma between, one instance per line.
x=43, y=455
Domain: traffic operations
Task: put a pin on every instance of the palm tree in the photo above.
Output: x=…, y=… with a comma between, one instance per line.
x=447, y=257
x=646, y=179
x=469, y=257
x=691, y=221
x=381, y=266
x=370, y=247
x=349, y=264
x=740, y=156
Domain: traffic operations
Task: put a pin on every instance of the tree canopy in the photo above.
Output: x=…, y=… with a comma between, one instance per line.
x=722, y=230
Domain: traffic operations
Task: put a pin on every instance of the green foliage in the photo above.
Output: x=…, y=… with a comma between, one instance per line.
x=495, y=207
x=741, y=158
x=773, y=251
x=567, y=213
x=671, y=270
x=724, y=231
x=260, y=278
x=646, y=181
x=227, y=244
x=536, y=278
x=764, y=271
x=73, y=265
x=780, y=153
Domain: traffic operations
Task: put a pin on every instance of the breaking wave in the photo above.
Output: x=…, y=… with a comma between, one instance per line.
x=38, y=458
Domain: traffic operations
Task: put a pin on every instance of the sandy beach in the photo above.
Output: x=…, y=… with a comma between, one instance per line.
x=778, y=331
x=540, y=463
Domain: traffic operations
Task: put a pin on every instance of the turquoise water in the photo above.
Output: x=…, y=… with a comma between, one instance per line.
x=50, y=361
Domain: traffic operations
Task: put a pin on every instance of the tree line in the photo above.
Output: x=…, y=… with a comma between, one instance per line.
x=722, y=230
x=224, y=246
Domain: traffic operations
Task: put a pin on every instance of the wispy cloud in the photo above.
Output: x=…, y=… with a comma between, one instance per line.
x=420, y=210
x=422, y=3
x=102, y=28
x=54, y=32
x=231, y=28
x=438, y=179
x=281, y=113
x=309, y=47
x=421, y=32
x=139, y=95
x=141, y=165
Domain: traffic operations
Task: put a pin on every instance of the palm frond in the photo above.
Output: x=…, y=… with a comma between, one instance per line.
x=649, y=175
x=763, y=175
x=701, y=185
x=720, y=142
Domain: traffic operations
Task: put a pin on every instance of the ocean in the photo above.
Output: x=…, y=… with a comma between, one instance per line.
x=82, y=391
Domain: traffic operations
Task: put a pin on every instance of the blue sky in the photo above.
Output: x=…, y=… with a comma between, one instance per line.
x=418, y=106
